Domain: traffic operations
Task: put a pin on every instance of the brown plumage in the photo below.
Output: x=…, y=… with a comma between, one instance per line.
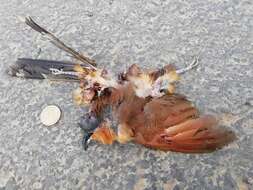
x=169, y=122
x=144, y=103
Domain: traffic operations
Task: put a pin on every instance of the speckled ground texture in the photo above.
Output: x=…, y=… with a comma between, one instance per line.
x=117, y=34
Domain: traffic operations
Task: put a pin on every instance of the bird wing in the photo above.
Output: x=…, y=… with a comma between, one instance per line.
x=173, y=123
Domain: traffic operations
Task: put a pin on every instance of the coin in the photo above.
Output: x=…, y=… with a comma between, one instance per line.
x=50, y=115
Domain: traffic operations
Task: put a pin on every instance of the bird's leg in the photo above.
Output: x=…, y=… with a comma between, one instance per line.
x=191, y=66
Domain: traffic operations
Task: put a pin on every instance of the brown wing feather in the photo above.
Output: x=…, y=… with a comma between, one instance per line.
x=168, y=110
x=176, y=126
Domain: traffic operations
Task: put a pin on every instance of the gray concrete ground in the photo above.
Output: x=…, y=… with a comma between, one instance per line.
x=117, y=34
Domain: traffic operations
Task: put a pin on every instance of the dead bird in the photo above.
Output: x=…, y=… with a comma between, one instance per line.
x=144, y=102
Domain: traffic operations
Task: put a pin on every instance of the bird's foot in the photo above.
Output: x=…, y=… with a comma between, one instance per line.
x=191, y=66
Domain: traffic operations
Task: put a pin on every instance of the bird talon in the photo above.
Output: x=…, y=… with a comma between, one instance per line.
x=191, y=66
x=195, y=62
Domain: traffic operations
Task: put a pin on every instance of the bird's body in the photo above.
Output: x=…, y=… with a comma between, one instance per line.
x=147, y=109
x=169, y=123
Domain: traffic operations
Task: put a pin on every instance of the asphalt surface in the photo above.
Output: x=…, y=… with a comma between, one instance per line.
x=117, y=34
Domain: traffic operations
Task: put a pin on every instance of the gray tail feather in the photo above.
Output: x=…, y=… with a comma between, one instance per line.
x=43, y=69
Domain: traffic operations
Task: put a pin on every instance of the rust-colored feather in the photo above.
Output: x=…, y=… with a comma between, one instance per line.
x=104, y=134
x=172, y=123
x=110, y=97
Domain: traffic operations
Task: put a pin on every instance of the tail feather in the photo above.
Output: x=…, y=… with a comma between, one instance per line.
x=43, y=69
x=198, y=135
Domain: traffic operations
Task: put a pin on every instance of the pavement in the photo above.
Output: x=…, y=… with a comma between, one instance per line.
x=117, y=34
